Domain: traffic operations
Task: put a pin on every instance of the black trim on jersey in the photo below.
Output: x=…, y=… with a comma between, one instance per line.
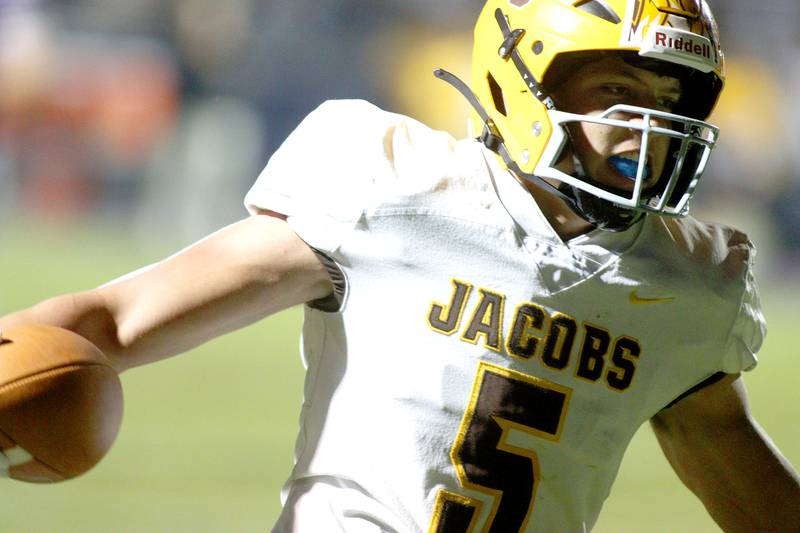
x=702, y=385
x=334, y=302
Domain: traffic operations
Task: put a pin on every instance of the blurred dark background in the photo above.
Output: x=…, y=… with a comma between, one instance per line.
x=157, y=115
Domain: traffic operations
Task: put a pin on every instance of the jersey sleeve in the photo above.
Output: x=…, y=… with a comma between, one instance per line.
x=749, y=327
x=322, y=177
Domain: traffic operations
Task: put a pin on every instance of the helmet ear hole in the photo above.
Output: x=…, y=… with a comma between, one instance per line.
x=497, y=95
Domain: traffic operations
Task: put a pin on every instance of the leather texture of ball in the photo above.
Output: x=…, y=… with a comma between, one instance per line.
x=61, y=404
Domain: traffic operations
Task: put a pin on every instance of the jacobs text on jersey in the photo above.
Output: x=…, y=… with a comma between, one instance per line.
x=556, y=339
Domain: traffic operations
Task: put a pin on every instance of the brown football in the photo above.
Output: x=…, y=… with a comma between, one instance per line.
x=60, y=404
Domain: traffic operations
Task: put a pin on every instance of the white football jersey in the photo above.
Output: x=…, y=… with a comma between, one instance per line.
x=481, y=374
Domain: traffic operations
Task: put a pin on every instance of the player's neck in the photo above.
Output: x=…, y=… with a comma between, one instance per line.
x=566, y=223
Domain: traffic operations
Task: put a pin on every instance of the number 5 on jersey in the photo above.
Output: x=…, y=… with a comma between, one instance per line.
x=501, y=400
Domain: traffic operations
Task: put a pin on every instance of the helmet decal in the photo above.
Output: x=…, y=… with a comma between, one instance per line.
x=684, y=15
x=519, y=3
x=679, y=8
x=677, y=31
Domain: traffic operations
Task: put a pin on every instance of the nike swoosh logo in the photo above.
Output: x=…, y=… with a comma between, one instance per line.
x=635, y=299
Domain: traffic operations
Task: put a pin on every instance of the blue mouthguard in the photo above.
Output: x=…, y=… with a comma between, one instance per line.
x=628, y=168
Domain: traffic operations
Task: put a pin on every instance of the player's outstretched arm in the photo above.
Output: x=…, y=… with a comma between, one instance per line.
x=230, y=279
x=721, y=453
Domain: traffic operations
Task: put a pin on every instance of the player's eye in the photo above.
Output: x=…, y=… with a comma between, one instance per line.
x=667, y=103
x=619, y=91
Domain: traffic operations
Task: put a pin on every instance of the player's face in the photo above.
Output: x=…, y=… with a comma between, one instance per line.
x=607, y=152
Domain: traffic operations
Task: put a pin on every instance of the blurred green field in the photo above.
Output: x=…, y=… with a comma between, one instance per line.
x=207, y=437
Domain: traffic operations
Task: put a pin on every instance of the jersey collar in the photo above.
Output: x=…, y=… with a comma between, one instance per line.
x=562, y=264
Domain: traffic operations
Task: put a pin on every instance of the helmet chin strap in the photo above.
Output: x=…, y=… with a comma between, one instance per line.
x=598, y=212
x=492, y=139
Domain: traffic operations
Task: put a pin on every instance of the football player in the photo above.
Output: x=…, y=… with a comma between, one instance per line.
x=489, y=322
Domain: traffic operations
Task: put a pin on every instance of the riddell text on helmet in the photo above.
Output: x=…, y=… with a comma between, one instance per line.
x=683, y=45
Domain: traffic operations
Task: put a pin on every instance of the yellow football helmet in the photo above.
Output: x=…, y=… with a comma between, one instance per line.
x=523, y=45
